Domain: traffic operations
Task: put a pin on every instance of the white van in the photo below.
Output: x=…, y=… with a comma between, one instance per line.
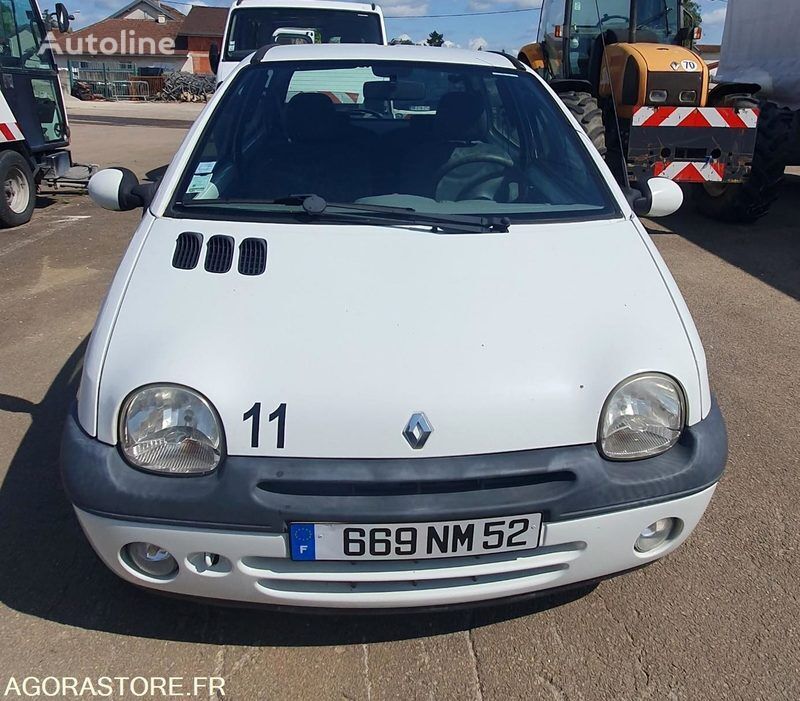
x=256, y=23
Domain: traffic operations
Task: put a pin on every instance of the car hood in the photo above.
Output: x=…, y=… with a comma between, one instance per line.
x=505, y=341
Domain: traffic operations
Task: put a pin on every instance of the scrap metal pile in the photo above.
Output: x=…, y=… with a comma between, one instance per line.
x=187, y=87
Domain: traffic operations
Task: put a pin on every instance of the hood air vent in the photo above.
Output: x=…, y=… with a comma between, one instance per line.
x=219, y=254
x=253, y=257
x=187, y=250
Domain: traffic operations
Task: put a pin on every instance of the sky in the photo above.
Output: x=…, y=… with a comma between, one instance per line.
x=501, y=31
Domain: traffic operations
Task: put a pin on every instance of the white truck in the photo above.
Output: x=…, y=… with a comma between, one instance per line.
x=759, y=48
x=34, y=133
x=255, y=23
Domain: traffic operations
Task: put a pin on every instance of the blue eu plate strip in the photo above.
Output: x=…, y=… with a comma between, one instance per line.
x=301, y=536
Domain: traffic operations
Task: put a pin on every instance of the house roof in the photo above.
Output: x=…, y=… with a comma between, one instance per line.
x=205, y=22
x=159, y=7
x=127, y=33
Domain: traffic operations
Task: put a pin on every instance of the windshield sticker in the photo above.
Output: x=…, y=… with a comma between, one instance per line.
x=199, y=184
x=205, y=167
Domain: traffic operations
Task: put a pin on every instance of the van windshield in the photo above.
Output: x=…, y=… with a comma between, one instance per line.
x=430, y=138
x=252, y=28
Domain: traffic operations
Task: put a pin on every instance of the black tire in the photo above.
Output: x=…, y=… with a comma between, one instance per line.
x=746, y=202
x=19, y=190
x=585, y=109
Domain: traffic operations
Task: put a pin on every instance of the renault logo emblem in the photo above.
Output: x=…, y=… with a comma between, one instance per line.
x=418, y=431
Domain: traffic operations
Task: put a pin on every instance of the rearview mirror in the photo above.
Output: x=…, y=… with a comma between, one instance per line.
x=213, y=57
x=402, y=90
x=657, y=197
x=119, y=190
x=62, y=17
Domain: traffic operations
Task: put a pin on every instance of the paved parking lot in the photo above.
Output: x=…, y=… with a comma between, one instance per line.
x=718, y=619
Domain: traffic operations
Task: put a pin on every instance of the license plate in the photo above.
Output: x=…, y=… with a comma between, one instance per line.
x=413, y=541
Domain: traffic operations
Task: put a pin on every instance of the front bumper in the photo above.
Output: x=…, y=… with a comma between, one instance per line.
x=265, y=494
x=592, y=511
x=692, y=144
x=255, y=567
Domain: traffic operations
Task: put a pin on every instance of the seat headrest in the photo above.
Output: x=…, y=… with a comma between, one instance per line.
x=311, y=117
x=462, y=116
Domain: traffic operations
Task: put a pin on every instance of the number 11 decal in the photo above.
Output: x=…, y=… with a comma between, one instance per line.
x=254, y=414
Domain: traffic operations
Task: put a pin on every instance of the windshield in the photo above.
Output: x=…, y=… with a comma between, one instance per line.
x=428, y=138
x=21, y=36
x=252, y=28
x=658, y=16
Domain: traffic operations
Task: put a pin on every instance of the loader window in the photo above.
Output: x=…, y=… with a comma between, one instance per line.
x=553, y=17
x=657, y=21
x=21, y=36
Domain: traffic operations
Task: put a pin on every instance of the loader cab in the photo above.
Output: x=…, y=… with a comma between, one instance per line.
x=572, y=33
x=33, y=122
x=31, y=94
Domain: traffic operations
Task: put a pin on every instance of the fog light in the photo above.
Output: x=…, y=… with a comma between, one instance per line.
x=658, y=96
x=151, y=560
x=688, y=96
x=656, y=534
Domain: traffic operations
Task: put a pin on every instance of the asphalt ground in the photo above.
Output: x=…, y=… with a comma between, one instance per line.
x=719, y=619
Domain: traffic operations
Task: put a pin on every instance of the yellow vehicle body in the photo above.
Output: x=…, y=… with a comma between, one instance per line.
x=654, y=67
x=633, y=71
x=533, y=55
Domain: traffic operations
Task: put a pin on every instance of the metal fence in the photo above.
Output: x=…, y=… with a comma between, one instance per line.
x=111, y=81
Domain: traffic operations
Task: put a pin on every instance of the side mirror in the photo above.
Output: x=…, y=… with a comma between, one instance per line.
x=62, y=17
x=213, y=57
x=118, y=189
x=658, y=197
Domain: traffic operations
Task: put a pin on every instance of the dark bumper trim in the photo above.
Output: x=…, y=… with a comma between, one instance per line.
x=560, y=483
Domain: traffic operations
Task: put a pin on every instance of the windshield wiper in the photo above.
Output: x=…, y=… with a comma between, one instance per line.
x=316, y=206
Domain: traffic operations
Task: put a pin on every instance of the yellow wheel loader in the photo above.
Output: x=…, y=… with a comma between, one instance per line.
x=627, y=71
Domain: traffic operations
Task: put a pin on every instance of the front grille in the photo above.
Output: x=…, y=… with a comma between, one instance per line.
x=252, y=257
x=219, y=254
x=343, y=488
x=187, y=250
x=674, y=82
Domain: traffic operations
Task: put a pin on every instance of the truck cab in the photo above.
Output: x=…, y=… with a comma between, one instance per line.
x=255, y=23
x=34, y=133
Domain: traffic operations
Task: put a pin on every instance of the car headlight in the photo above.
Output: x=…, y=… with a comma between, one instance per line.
x=644, y=416
x=170, y=429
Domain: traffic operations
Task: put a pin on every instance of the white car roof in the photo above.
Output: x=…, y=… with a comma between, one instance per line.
x=375, y=52
x=305, y=4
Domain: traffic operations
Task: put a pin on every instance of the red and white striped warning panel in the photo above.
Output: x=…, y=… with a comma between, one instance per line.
x=705, y=117
x=10, y=131
x=690, y=171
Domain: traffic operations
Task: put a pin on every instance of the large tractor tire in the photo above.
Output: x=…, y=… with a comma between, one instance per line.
x=585, y=109
x=19, y=190
x=746, y=202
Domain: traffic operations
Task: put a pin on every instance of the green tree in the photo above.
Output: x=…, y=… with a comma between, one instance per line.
x=693, y=7
x=435, y=39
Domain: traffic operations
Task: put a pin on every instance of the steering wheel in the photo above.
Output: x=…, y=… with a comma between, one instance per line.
x=604, y=18
x=488, y=158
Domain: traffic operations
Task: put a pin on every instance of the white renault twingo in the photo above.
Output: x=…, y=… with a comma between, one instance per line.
x=408, y=348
